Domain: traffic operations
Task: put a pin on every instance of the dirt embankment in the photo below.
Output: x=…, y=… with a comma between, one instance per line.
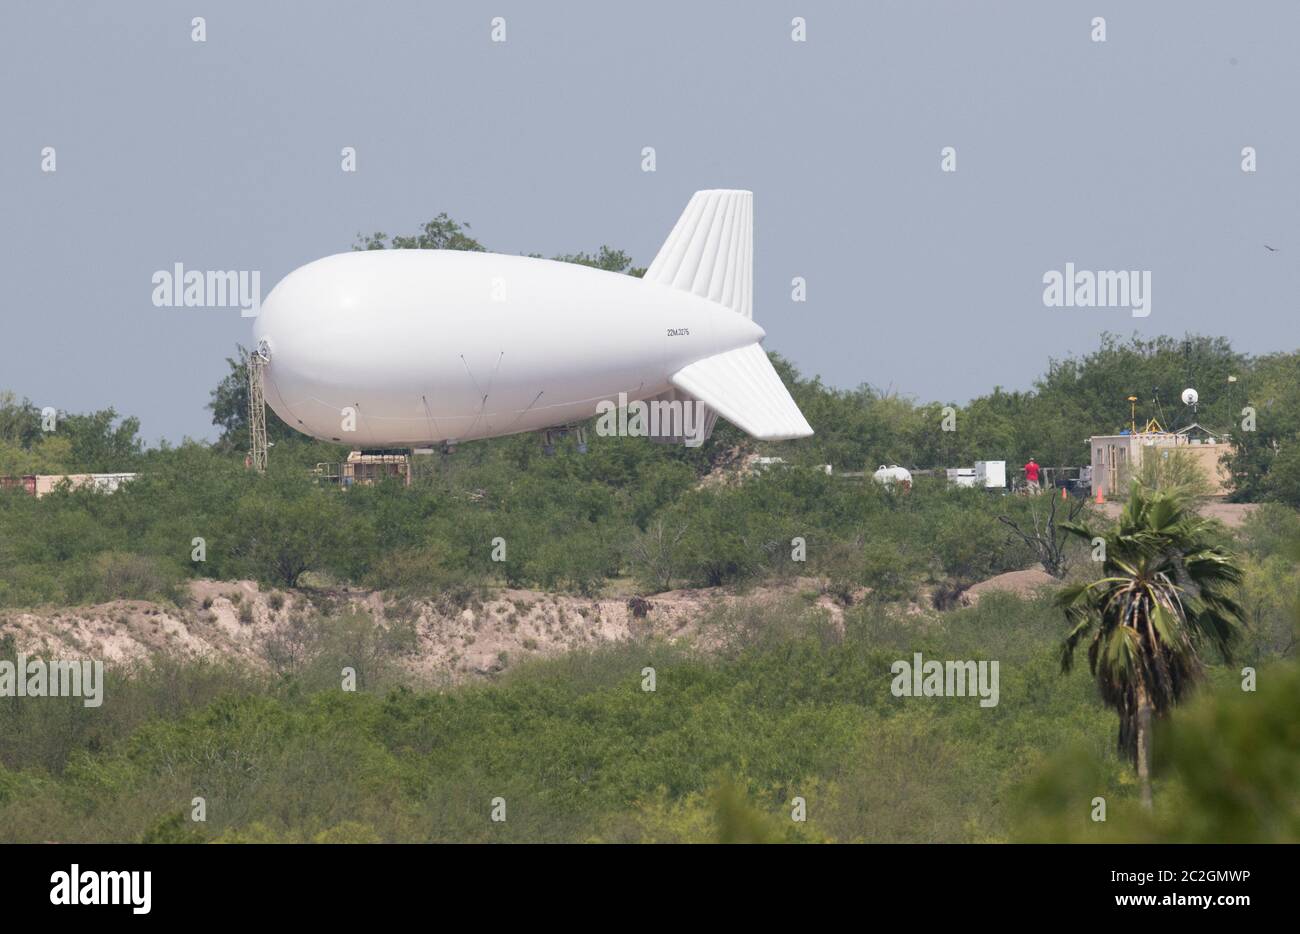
x=1024, y=583
x=241, y=621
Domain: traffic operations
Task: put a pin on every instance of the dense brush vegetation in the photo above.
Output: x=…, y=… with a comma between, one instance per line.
x=627, y=509
x=569, y=522
x=579, y=751
x=574, y=745
x=795, y=707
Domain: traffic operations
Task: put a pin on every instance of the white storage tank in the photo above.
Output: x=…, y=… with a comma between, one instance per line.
x=893, y=474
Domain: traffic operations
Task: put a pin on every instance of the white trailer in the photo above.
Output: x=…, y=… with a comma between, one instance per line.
x=991, y=475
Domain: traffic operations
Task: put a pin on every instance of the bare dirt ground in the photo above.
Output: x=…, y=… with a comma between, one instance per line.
x=1230, y=514
x=1021, y=583
x=239, y=620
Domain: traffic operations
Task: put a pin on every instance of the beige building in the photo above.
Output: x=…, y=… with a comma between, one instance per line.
x=40, y=485
x=104, y=482
x=1116, y=459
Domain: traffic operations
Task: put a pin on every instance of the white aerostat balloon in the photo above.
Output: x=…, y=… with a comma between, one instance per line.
x=430, y=346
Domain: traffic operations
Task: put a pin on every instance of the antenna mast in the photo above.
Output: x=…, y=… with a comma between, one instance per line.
x=257, y=361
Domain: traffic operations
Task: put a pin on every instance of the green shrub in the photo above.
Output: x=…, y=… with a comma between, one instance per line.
x=114, y=575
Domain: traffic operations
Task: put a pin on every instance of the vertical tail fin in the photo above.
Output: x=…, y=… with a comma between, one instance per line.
x=710, y=252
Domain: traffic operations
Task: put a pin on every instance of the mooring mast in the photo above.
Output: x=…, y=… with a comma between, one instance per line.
x=257, y=361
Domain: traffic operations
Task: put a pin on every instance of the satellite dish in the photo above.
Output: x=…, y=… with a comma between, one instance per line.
x=1190, y=396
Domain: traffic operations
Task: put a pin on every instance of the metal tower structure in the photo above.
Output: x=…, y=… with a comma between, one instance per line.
x=257, y=361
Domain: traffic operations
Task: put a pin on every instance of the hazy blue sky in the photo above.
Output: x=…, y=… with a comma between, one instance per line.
x=226, y=155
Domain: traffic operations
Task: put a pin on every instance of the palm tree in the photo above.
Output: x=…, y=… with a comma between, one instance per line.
x=1163, y=596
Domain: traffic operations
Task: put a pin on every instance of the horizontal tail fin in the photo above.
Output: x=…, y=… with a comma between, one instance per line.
x=710, y=252
x=743, y=387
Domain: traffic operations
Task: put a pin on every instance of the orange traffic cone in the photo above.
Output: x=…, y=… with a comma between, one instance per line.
x=1101, y=496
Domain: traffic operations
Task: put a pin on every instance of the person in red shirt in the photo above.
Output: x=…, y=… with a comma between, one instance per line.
x=1031, y=475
